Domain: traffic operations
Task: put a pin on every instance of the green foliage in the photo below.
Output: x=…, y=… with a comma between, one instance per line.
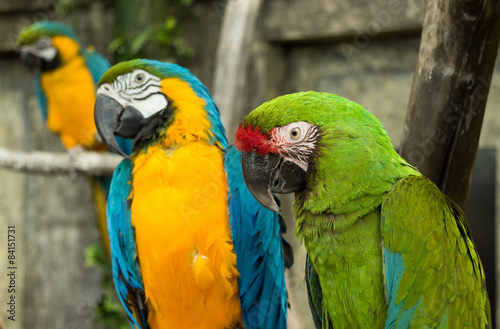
x=63, y=7
x=158, y=37
x=95, y=256
x=108, y=309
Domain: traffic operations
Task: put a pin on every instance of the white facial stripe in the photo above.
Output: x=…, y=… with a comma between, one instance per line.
x=47, y=53
x=144, y=95
x=151, y=104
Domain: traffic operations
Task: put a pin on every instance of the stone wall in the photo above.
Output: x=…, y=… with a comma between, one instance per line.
x=54, y=215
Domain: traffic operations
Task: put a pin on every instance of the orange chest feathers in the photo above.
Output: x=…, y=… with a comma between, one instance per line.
x=179, y=212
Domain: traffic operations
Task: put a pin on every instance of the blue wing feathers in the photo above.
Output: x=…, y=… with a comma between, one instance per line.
x=97, y=65
x=40, y=95
x=394, y=268
x=126, y=273
x=259, y=253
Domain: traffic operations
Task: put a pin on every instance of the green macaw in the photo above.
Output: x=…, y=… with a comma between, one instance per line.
x=386, y=249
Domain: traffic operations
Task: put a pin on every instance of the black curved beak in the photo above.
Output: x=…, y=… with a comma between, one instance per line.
x=32, y=61
x=111, y=119
x=271, y=173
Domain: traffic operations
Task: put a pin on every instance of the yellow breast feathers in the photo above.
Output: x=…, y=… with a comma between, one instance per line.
x=179, y=212
x=70, y=94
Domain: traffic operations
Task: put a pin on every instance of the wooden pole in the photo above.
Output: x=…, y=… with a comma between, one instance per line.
x=233, y=53
x=450, y=88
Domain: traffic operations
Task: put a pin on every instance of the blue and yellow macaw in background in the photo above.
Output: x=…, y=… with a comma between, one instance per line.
x=66, y=76
x=191, y=248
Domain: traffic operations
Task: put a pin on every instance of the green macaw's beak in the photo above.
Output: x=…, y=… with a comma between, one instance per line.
x=267, y=174
x=112, y=119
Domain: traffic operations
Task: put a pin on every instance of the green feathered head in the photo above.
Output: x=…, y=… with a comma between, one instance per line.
x=45, y=28
x=315, y=142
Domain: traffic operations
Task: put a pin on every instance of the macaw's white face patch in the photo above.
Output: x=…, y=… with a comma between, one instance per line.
x=138, y=89
x=295, y=142
x=42, y=48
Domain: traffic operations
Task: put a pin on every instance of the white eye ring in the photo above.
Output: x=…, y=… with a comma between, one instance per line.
x=295, y=133
x=139, y=78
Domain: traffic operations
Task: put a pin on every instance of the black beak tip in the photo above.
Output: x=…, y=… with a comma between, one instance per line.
x=272, y=205
x=107, y=113
x=120, y=152
x=30, y=60
x=257, y=173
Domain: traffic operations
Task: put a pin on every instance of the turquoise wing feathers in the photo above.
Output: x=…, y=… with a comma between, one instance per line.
x=40, y=95
x=259, y=251
x=434, y=277
x=126, y=272
x=97, y=64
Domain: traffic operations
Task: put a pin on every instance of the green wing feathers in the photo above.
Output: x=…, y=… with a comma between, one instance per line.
x=434, y=278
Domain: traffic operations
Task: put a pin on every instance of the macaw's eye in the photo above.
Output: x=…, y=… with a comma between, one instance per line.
x=139, y=78
x=295, y=133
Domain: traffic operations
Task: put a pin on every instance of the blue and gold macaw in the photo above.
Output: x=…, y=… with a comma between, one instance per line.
x=66, y=76
x=191, y=248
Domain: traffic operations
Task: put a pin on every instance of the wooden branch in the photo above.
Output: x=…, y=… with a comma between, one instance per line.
x=450, y=88
x=233, y=54
x=90, y=163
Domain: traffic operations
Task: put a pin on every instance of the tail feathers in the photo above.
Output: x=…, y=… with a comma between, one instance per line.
x=138, y=308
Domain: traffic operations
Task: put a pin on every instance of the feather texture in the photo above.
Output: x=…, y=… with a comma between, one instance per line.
x=386, y=249
x=433, y=272
x=126, y=272
x=209, y=255
x=259, y=249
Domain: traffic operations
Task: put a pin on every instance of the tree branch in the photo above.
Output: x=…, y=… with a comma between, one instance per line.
x=89, y=163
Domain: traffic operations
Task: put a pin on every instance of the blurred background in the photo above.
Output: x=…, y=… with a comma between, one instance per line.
x=362, y=50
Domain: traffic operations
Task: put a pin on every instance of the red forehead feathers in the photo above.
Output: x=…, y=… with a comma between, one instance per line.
x=253, y=140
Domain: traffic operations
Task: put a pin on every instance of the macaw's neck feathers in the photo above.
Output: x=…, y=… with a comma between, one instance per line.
x=67, y=48
x=373, y=168
x=195, y=116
